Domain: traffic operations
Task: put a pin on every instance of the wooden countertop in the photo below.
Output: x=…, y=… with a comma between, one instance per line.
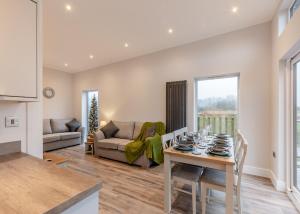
x=31, y=185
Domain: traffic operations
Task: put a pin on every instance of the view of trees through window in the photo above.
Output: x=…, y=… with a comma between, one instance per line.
x=217, y=104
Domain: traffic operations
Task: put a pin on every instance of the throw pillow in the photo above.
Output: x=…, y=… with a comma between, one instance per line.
x=109, y=130
x=73, y=125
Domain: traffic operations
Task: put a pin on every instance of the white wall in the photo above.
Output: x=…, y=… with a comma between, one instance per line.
x=16, y=133
x=61, y=105
x=135, y=89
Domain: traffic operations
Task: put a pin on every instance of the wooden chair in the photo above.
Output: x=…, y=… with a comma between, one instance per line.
x=183, y=173
x=216, y=179
x=180, y=132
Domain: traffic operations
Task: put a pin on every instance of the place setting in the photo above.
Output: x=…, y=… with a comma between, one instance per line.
x=220, y=146
x=193, y=142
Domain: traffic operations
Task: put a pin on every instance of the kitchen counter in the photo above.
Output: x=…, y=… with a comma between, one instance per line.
x=31, y=185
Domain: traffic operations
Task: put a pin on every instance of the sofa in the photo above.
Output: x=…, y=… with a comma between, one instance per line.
x=56, y=134
x=114, y=148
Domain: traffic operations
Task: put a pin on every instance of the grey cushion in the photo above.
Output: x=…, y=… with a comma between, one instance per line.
x=137, y=129
x=73, y=125
x=59, y=125
x=112, y=143
x=187, y=172
x=125, y=129
x=216, y=177
x=69, y=135
x=122, y=143
x=47, y=126
x=99, y=135
x=109, y=130
x=48, y=138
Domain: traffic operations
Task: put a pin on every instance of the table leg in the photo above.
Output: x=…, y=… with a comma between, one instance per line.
x=229, y=189
x=167, y=174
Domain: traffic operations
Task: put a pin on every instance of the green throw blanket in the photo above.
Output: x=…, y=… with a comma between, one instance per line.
x=151, y=146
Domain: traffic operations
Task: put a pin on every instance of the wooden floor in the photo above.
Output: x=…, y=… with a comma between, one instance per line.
x=133, y=190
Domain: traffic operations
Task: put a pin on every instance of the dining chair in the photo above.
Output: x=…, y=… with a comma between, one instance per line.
x=216, y=179
x=180, y=132
x=183, y=173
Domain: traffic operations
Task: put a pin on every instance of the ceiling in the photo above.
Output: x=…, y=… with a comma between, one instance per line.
x=102, y=27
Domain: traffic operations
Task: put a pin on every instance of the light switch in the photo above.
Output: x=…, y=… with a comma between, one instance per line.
x=11, y=122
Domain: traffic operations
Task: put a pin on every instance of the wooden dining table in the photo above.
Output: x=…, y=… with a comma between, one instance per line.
x=172, y=155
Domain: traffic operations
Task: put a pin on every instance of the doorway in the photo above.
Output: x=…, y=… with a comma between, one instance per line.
x=87, y=97
x=295, y=178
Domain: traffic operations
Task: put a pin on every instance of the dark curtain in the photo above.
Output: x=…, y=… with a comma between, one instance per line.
x=176, y=105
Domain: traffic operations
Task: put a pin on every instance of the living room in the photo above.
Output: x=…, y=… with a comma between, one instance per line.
x=161, y=75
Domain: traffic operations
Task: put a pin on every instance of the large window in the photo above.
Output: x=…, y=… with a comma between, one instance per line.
x=295, y=6
x=217, y=104
x=87, y=97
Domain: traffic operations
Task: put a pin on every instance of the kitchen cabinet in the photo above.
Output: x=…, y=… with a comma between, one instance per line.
x=19, y=50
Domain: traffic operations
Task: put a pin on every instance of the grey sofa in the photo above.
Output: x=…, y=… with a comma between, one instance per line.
x=56, y=134
x=114, y=148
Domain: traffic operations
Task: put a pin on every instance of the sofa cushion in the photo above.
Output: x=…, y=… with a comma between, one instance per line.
x=137, y=129
x=99, y=135
x=122, y=144
x=59, y=125
x=69, y=135
x=125, y=129
x=109, y=130
x=47, y=126
x=112, y=143
x=49, y=138
x=73, y=125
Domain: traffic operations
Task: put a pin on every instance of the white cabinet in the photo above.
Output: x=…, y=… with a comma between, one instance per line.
x=18, y=50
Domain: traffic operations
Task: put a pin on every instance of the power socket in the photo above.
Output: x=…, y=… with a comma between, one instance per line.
x=11, y=122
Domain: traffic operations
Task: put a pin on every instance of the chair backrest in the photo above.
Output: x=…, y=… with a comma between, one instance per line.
x=240, y=157
x=237, y=143
x=180, y=132
x=167, y=140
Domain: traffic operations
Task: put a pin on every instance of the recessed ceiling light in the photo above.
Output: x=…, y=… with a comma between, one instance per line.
x=234, y=9
x=170, y=31
x=126, y=45
x=91, y=56
x=68, y=7
x=66, y=65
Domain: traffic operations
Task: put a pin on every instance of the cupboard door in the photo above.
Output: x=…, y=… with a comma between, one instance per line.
x=18, y=48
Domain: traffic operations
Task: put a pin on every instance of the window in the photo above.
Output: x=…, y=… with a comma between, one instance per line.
x=87, y=97
x=217, y=104
x=295, y=6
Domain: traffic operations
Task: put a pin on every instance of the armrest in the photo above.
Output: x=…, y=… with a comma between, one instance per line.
x=99, y=135
x=82, y=131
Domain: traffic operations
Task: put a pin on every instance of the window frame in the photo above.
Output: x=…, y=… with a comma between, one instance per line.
x=293, y=143
x=291, y=14
x=222, y=76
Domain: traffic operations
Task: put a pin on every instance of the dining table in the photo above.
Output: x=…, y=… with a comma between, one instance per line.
x=201, y=158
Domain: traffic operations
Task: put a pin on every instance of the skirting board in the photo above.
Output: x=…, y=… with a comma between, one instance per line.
x=278, y=184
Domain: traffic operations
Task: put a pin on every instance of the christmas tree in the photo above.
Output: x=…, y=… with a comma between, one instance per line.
x=93, y=116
